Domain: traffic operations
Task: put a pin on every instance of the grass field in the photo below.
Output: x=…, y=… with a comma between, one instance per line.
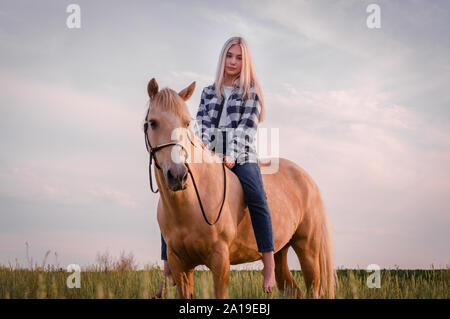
x=122, y=283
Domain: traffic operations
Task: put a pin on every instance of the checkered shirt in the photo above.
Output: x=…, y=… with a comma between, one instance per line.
x=241, y=122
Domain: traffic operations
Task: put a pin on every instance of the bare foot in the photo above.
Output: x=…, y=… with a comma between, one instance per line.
x=269, y=279
x=159, y=293
x=268, y=272
x=167, y=273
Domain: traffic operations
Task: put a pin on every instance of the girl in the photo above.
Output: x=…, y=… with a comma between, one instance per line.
x=229, y=113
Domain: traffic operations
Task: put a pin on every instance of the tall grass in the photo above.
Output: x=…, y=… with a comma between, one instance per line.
x=123, y=283
x=119, y=278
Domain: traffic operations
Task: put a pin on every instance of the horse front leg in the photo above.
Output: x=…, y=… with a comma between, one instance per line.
x=219, y=264
x=183, y=276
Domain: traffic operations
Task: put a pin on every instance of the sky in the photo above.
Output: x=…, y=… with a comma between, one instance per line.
x=365, y=111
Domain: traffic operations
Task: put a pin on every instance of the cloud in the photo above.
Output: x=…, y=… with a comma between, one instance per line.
x=340, y=25
x=40, y=181
x=357, y=106
x=66, y=105
x=66, y=146
x=379, y=167
x=121, y=198
x=360, y=129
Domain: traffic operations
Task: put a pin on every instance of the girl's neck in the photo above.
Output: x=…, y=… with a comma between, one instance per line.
x=228, y=81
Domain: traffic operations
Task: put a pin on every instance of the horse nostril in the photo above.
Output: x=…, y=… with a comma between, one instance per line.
x=169, y=175
x=185, y=176
x=176, y=177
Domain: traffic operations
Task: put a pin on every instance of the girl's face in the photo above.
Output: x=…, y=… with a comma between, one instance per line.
x=233, y=61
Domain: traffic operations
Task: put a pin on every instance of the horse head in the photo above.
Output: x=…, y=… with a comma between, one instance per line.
x=166, y=126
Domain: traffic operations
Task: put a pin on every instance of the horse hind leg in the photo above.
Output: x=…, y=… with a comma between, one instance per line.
x=307, y=250
x=285, y=281
x=313, y=245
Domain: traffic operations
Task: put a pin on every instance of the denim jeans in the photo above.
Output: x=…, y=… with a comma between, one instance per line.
x=249, y=175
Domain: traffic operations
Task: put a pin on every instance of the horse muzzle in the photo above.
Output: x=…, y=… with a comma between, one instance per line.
x=176, y=177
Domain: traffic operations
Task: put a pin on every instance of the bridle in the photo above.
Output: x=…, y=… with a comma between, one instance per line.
x=152, y=151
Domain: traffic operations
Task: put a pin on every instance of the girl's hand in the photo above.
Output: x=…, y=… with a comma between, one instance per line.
x=229, y=161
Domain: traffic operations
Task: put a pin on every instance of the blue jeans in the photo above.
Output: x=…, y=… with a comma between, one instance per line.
x=249, y=175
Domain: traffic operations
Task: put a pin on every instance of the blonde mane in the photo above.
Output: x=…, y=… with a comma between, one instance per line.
x=169, y=100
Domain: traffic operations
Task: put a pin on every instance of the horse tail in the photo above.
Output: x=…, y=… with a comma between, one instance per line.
x=327, y=273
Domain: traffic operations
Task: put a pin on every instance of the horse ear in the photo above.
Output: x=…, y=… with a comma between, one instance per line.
x=152, y=88
x=187, y=92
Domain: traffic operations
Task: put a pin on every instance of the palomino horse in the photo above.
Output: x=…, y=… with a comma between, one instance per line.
x=298, y=214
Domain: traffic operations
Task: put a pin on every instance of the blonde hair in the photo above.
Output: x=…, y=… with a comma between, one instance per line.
x=247, y=77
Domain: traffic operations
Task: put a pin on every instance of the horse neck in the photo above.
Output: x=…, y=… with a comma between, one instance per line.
x=184, y=203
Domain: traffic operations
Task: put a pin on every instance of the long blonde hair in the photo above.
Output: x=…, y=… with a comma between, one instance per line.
x=247, y=77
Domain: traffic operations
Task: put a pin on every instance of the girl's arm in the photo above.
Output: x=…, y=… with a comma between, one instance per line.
x=202, y=119
x=247, y=127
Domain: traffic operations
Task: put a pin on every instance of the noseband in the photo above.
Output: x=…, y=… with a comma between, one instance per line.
x=152, y=151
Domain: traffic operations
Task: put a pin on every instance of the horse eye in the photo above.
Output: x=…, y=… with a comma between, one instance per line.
x=153, y=124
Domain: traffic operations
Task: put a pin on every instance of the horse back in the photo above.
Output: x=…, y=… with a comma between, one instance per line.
x=286, y=189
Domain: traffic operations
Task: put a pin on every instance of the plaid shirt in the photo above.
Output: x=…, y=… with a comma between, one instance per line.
x=241, y=123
